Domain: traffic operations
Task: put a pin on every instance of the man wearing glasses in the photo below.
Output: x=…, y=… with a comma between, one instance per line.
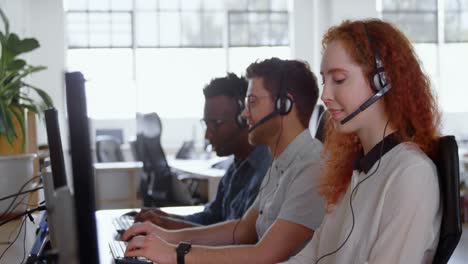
x=280, y=100
x=227, y=132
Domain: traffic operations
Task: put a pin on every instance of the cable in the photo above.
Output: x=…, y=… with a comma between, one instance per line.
x=261, y=187
x=17, y=235
x=24, y=241
x=20, y=193
x=13, y=232
x=27, y=212
x=15, y=207
x=351, y=198
x=12, y=202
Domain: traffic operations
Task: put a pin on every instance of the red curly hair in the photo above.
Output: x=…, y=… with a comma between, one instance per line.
x=409, y=104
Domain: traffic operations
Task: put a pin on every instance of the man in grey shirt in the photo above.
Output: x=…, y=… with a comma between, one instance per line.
x=280, y=100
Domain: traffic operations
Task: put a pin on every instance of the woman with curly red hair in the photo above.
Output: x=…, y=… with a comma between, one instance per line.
x=380, y=185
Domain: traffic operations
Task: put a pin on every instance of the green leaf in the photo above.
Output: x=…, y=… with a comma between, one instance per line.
x=5, y=114
x=19, y=116
x=3, y=38
x=31, y=108
x=27, y=71
x=3, y=128
x=16, y=65
x=5, y=22
x=13, y=42
x=6, y=78
x=44, y=96
x=32, y=69
x=17, y=46
x=27, y=45
x=7, y=56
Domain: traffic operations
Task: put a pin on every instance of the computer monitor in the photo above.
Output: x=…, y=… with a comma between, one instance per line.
x=54, y=139
x=83, y=176
x=59, y=200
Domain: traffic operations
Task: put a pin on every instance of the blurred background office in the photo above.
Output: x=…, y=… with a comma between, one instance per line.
x=156, y=55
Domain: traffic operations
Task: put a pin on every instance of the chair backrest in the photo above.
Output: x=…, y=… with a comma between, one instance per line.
x=117, y=133
x=148, y=124
x=447, y=161
x=186, y=151
x=108, y=149
x=157, y=188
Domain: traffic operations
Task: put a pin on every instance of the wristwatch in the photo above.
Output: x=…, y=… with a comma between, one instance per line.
x=182, y=249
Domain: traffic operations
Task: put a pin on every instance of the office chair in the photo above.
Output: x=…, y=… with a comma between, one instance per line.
x=186, y=151
x=117, y=133
x=108, y=149
x=446, y=161
x=156, y=186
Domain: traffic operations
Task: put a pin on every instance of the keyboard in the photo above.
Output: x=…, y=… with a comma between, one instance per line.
x=122, y=223
x=118, y=249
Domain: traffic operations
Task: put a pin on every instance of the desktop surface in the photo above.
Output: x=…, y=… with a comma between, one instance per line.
x=198, y=167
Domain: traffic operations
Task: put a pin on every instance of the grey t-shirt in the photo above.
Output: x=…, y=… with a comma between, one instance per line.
x=289, y=189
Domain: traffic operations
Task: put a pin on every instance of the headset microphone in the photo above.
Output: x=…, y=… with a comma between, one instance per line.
x=366, y=104
x=263, y=120
x=378, y=81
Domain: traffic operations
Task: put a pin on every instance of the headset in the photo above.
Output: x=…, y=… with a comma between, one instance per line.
x=240, y=121
x=283, y=102
x=378, y=81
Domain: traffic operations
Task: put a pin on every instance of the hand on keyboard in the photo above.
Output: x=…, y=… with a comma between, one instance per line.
x=118, y=253
x=122, y=223
x=151, y=247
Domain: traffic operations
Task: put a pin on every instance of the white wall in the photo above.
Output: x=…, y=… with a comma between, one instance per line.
x=46, y=23
x=42, y=20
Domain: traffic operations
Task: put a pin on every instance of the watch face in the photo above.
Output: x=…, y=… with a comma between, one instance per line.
x=184, y=247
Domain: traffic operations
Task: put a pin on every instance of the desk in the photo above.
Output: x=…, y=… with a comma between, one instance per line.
x=116, y=184
x=200, y=168
x=107, y=232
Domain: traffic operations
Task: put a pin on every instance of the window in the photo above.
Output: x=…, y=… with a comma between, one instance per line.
x=456, y=21
x=416, y=18
x=157, y=55
x=440, y=38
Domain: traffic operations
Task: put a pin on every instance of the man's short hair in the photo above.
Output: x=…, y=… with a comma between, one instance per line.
x=297, y=77
x=231, y=86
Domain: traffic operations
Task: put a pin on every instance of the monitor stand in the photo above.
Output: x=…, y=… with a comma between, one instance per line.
x=61, y=220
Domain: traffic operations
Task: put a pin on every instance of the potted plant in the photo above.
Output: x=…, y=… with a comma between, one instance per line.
x=16, y=97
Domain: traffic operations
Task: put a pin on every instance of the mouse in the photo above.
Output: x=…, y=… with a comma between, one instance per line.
x=131, y=213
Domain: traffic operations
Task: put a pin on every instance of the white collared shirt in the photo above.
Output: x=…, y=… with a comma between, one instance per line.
x=397, y=214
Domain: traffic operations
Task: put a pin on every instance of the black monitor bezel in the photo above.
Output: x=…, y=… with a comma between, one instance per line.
x=54, y=139
x=83, y=173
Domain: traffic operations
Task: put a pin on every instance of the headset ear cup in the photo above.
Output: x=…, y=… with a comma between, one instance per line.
x=241, y=122
x=378, y=79
x=375, y=81
x=283, y=105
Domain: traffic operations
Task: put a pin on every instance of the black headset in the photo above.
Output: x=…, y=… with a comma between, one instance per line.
x=283, y=102
x=378, y=77
x=241, y=122
x=378, y=81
